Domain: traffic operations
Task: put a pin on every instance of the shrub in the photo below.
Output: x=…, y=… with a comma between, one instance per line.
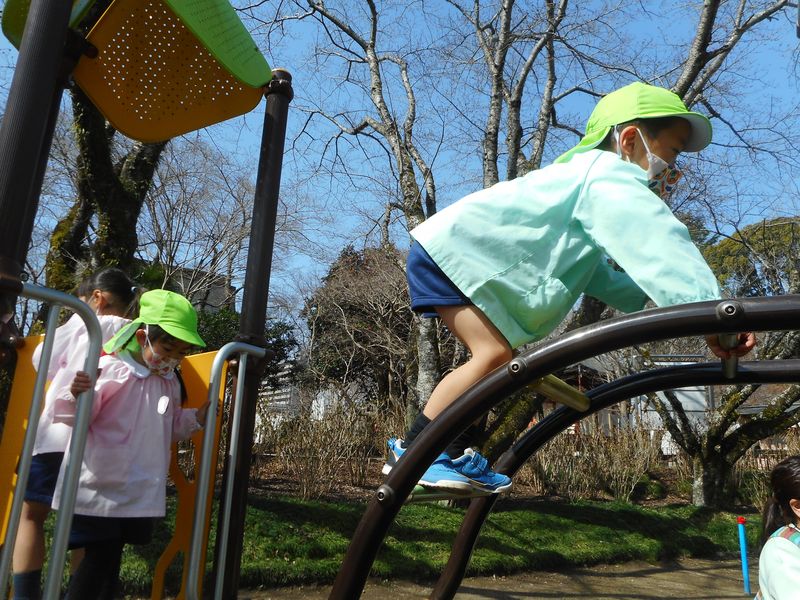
x=584, y=465
x=319, y=452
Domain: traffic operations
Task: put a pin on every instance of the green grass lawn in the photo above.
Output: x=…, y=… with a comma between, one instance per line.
x=291, y=541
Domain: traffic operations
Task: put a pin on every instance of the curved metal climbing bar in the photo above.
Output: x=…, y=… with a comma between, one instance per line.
x=702, y=318
x=787, y=371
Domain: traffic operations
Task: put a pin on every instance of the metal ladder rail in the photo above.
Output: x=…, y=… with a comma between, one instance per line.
x=700, y=318
x=58, y=549
x=784, y=371
x=204, y=481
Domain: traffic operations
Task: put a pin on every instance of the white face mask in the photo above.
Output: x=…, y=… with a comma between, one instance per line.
x=158, y=364
x=661, y=176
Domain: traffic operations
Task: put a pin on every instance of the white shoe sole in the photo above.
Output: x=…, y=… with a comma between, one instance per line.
x=498, y=490
x=450, y=485
x=444, y=484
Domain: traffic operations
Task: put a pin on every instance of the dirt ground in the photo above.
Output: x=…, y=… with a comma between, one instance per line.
x=690, y=579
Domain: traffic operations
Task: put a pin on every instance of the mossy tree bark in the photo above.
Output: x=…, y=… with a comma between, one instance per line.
x=110, y=193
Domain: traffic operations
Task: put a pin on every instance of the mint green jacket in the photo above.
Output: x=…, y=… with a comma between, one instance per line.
x=524, y=250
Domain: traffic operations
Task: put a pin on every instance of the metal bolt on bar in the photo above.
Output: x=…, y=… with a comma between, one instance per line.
x=729, y=311
x=204, y=482
x=52, y=589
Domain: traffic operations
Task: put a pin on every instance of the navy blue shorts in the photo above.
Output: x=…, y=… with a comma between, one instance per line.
x=128, y=530
x=43, y=477
x=428, y=286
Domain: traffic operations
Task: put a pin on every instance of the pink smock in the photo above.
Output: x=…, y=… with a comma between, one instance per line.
x=136, y=416
x=70, y=343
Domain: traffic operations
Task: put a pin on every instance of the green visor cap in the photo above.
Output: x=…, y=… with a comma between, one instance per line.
x=639, y=101
x=170, y=311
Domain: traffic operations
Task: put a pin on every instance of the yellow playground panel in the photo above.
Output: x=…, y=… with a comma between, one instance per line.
x=15, y=425
x=163, y=67
x=196, y=371
x=167, y=67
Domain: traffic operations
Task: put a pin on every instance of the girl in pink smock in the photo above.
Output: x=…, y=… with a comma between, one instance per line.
x=136, y=416
x=112, y=295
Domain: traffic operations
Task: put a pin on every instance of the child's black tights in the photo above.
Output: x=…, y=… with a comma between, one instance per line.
x=456, y=447
x=98, y=574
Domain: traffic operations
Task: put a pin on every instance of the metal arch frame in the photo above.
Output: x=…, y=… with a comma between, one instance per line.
x=785, y=371
x=702, y=318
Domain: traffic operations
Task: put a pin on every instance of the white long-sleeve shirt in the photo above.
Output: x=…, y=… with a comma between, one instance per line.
x=70, y=343
x=135, y=418
x=779, y=570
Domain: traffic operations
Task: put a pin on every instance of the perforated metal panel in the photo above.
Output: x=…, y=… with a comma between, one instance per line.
x=153, y=79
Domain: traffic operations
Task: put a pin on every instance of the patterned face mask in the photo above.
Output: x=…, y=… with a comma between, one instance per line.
x=158, y=364
x=664, y=182
x=662, y=177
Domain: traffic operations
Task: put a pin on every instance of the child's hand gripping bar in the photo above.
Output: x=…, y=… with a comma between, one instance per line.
x=728, y=341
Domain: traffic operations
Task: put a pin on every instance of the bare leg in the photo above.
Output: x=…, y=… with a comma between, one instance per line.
x=75, y=558
x=29, y=546
x=488, y=349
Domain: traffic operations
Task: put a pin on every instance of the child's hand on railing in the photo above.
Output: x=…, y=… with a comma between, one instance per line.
x=202, y=413
x=747, y=342
x=81, y=383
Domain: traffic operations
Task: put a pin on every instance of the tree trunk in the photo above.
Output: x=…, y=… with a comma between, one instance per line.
x=67, y=247
x=114, y=193
x=516, y=413
x=711, y=484
x=428, y=373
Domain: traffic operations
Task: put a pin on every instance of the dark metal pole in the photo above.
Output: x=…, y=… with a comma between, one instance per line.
x=75, y=47
x=23, y=131
x=254, y=306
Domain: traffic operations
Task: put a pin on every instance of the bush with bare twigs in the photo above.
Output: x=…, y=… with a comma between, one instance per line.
x=589, y=464
x=320, y=452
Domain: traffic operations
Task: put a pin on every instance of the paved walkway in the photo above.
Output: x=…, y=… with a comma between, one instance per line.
x=689, y=579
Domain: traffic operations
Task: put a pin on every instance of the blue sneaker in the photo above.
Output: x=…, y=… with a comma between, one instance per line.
x=440, y=475
x=395, y=452
x=475, y=467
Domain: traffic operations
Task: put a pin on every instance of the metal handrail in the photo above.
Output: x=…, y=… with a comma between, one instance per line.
x=58, y=549
x=206, y=459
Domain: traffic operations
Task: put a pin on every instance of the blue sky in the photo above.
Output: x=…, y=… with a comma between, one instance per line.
x=765, y=80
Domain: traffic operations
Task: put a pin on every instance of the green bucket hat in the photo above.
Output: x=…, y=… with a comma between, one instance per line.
x=639, y=101
x=170, y=311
